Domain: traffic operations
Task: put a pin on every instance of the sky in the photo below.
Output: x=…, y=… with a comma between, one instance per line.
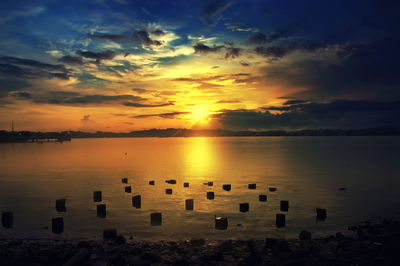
x=124, y=65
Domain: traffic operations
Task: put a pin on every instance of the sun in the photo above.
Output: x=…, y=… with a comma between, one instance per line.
x=200, y=115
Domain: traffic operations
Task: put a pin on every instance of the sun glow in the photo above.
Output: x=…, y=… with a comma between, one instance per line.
x=199, y=115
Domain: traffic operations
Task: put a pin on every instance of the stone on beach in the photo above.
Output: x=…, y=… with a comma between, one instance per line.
x=252, y=186
x=226, y=187
x=189, y=204
x=284, y=205
x=321, y=214
x=97, y=196
x=125, y=180
x=262, y=197
x=60, y=205
x=272, y=189
x=186, y=184
x=221, y=223
x=280, y=220
x=57, y=225
x=305, y=235
x=155, y=219
x=151, y=182
x=210, y=195
x=137, y=201
x=7, y=219
x=101, y=211
x=243, y=207
x=171, y=181
x=128, y=189
x=109, y=234
x=168, y=191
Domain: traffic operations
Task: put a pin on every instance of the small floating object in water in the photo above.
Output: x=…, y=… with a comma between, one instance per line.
x=280, y=220
x=137, y=201
x=151, y=182
x=305, y=235
x=60, y=205
x=7, y=219
x=262, y=197
x=128, y=189
x=342, y=189
x=321, y=214
x=221, y=223
x=109, y=233
x=168, y=191
x=57, y=225
x=272, y=189
x=186, y=184
x=243, y=207
x=226, y=187
x=210, y=184
x=189, y=204
x=238, y=224
x=252, y=186
x=284, y=205
x=210, y=195
x=155, y=219
x=125, y=180
x=101, y=210
x=170, y=181
x=97, y=196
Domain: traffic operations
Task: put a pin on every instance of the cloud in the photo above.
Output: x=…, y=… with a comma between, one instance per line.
x=278, y=51
x=244, y=63
x=108, y=37
x=158, y=32
x=201, y=48
x=86, y=119
x=98, y=56
x=21, y=95
x=228, y=101
x=163, y=115
x=231, y=52
x=71, y=60
x=140, y=90
x=260, y=38
x=142, y=37
x=211, y=9
x=134, y=104
x=343, y=114
x=28, y=12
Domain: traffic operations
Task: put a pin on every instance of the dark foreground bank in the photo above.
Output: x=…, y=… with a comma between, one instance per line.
x=364, y=244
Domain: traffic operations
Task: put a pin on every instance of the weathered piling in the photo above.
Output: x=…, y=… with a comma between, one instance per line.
x=128, y=189
x=151, y=182
x=137, y=201
x=57, y=225
x=125, y=180
x=109, y=234
x=60, y=205
x=155, y=219
x=97, y=196
x=252, y=186
x=284, y=205
x=262, y=197
x=210, y=195
x=168, y=191
x=101, y=211
x=321, y=214
x=243, y=207
x=189, y=204
x=7, y=219
x=272, y=189
x=210, y=184
x=280, y=220
x=226, y=187
x=186, y=184
x=221, y=223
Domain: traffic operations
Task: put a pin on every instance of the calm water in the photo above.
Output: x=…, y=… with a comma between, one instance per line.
x=307, y=171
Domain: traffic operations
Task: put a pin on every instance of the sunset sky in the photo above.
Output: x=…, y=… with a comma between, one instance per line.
x=123, y=65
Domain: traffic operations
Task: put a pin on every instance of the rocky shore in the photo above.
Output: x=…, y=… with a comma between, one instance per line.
x=363, y=244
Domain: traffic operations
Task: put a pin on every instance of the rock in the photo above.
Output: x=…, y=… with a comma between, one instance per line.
x=109, y=234
x=80, y=258
x=186, y=184
x=262, y=197
x=16, y=242
x=57, y=225
x=277, y=246
x=272, y=189
x=280, y=220
x=210, y=184
x=60, y=205
x=97, y=197
x=171, y=181
x=151, y=257
x=197, y=241
x=189, y=204
x=137, y=201
x=243, y=207
x=168, y=191
x=180, y=262
x=7, y=219
x=252, y=186
x=340, y=236
x=151, y=182
x=226, y=187
x=210, y=195
x=284, y=205
x=342, y=189
x=321, y=214
x=305, y=235
x=125, y=180
x=120, y=240
x=101, y=211
x=155, y=219
x=221, y=223
x=128, y=189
